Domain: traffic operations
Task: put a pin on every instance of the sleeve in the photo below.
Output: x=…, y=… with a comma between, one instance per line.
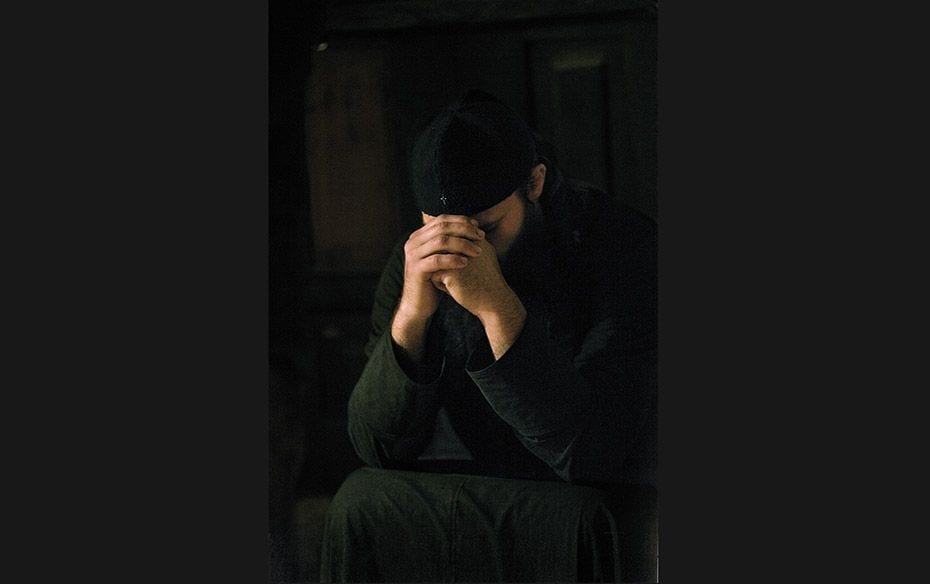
x=390, y=415
x=589, y=416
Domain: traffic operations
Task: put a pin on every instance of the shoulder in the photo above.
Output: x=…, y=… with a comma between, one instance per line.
x=588, y=220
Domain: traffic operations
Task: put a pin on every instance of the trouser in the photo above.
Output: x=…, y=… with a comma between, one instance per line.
x=403, y=526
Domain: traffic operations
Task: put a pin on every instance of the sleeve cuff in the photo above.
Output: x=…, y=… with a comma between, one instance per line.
x=526, y=386
x=396, y=372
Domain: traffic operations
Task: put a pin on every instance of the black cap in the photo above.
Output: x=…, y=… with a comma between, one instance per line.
x=472, y=156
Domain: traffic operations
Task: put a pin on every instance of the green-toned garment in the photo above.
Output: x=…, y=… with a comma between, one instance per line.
x=571, y=405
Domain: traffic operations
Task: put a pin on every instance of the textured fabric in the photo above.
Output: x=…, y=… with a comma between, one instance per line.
x=446, y=444
x=398, y=526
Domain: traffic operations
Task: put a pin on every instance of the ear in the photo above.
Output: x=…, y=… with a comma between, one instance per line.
x=539, y=180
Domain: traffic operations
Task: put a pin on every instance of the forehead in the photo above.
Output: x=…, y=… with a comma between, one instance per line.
x=491, y=214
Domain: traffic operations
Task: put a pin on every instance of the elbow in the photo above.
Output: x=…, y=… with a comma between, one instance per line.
x=367, y=447
x=378, y=451
x=592, y=457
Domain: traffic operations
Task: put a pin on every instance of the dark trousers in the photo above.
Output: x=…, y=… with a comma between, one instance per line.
x=403, y=526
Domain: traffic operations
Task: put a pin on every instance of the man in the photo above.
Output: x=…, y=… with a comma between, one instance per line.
x=511, y=359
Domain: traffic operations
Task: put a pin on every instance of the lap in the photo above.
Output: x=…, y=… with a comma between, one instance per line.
x=444, y=527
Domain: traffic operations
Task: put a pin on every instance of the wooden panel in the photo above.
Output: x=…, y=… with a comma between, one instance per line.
x=639, y=115
x=355, y=215
x=576, y=105
x=579, y=104
x=594, y=97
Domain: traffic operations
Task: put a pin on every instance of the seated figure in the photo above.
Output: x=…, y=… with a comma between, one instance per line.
x=507, y=410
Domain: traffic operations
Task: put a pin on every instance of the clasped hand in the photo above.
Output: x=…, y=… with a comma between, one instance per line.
x=450, y=254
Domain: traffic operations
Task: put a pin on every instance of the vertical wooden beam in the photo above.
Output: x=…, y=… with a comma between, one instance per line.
x=355, y=214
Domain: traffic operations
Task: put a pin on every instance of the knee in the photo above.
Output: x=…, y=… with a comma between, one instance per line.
x=357, y=500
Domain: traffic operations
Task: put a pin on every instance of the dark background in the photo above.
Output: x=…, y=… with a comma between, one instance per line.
x=351, y=84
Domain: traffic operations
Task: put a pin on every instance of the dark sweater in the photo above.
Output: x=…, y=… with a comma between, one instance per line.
x=575, y=396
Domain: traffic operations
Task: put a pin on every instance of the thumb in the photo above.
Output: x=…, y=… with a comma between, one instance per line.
x=439, y=280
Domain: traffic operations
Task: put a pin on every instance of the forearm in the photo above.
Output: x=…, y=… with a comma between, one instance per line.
x=504, y=323
x=408, y=332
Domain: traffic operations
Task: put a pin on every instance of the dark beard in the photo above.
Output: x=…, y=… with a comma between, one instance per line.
x=529, y=255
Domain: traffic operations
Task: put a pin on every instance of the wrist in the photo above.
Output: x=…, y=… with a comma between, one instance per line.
x=408, y=332
x=412, y=313
x=503, y=324
x=504, y=313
